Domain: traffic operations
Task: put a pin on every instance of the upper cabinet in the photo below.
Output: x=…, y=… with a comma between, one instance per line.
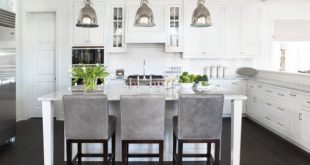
x=241, y=30
x=7, y=5
x=203, y=42
x=117, y=25
x=156, y=34
x=174, y=42
x=234, y=32
x=89, y=36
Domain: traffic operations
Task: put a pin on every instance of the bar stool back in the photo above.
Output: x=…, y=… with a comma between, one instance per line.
x=199, y=121
x=142, y=122
x=87, y=121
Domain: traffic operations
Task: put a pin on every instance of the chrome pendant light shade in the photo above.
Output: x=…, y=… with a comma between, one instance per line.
x=201, y=16
x=144, y=16
x=88, y=16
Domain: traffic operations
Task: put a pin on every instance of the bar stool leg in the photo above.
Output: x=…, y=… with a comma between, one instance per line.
x=217, y=152
x=180, y=152
x=124, y=153
x=105, y=153
x=79, y=153
x=209, y=152
x=161, y=153
x=174, y=151
x=113, y=149
x=69, y=152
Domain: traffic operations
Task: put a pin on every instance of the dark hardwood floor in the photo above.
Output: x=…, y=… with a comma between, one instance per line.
x=259, y=147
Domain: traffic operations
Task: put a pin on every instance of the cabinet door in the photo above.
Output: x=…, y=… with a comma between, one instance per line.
x=7, y=4
x=156, y=34
x=250, y=27
x=213, y=34
x=175, y=28
x=232, y=30
x=194, y=38
x=117, y=37
x=80, y=35
x=305, y=128
x=96, y=35
x=89, y=36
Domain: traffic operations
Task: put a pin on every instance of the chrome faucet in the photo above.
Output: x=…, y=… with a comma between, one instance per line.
x=144, y=65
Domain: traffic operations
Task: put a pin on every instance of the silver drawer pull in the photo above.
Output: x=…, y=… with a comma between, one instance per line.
x=268, y=104
x=281, y=109
x=268, y=91
x=251, y=86
x=308, y=102
x=259, y=86
x=300, y=116
x=294, y=95
x=280, y=94
x=268, y=118
x=280, y=124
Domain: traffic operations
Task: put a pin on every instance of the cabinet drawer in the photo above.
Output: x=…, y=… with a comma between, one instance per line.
x=279, y=94
x=305, y=102
x=277, y=109
x=275, y=123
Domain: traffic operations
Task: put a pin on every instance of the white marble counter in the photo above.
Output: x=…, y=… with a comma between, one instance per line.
x=115, y=91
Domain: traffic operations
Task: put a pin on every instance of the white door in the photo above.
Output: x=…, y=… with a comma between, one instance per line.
x=42, y=28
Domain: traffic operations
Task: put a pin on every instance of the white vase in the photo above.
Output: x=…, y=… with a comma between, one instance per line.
x=186, y=88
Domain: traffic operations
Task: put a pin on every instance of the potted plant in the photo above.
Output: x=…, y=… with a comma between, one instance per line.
x=189, y=81
x=90, y=75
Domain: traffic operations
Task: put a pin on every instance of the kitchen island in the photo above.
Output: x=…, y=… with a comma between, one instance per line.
x=114, y=92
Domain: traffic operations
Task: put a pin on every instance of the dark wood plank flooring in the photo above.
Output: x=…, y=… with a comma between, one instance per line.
x=259, y=147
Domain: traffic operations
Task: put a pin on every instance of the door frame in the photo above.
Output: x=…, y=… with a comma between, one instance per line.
x=26, y=107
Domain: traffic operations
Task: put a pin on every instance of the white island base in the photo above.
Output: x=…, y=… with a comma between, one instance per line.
x=114, y=109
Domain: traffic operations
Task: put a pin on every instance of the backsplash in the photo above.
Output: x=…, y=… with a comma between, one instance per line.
x=158, y=61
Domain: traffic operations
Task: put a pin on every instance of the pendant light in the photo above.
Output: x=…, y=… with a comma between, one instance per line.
x=201, y=16
x=144, y=15
x=88, y=16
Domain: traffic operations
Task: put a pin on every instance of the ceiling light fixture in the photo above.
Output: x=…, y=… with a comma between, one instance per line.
x=201, y=16
x=88, y=16
x=144, y=15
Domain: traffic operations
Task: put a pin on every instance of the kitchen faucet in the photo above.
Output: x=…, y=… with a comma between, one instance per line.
x=144, y=69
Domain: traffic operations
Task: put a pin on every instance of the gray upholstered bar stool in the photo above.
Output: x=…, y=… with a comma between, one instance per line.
x=87, y=121
x=142, y=122
x=199, y=121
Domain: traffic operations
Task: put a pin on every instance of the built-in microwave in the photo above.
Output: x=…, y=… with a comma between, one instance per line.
x=87, y=55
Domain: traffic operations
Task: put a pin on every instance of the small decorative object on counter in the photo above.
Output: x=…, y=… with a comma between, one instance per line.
x=90, y=75
x=189, y=81
x=247, y=71
x=213, y=72
x=120, y=73
x=220, y=72
x=282, y=58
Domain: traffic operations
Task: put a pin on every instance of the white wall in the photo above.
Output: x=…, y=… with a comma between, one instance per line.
x=278, y=9
x=63, y=9
x=158, y=61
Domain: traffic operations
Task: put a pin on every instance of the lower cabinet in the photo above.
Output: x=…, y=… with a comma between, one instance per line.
x=283, y=111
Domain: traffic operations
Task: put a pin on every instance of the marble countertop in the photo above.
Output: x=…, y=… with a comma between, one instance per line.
x=283, y=84
x=115, y=91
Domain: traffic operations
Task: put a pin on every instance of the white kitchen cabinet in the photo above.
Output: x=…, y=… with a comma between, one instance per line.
x=202, y=42
x=117, y=37
x=232, y=30
x=7, y=5
x=174, y=18
x=241, y=30
x=89, y=36
x=250, y=30
x=156, y=34
x=283, y=111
